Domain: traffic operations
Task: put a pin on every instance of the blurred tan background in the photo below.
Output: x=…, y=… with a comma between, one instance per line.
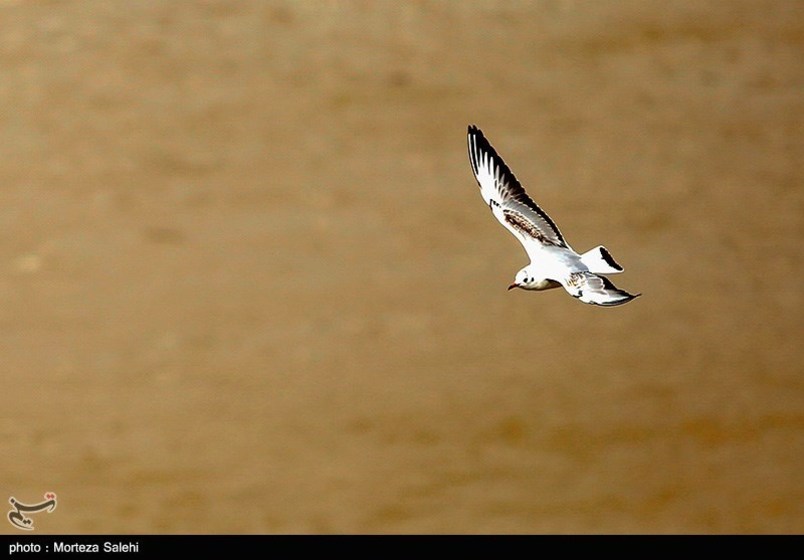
x=248, y=284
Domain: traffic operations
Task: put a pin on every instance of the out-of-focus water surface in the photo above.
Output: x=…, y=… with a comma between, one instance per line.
x=247, y=282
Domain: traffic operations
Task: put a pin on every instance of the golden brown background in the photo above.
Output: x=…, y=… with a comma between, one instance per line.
x=248, y=283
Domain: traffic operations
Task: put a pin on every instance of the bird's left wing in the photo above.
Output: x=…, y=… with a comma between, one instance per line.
x=508, y=200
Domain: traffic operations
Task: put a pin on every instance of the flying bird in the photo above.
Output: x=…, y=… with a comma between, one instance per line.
x=553, y=263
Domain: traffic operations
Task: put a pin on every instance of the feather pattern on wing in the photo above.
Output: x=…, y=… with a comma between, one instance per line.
x=595, y=289
x=507, y=198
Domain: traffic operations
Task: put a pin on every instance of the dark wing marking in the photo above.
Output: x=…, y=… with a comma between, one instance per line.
x=609, y=259
x=525, y=226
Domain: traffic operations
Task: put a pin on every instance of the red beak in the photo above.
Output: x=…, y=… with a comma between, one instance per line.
x=512, y=286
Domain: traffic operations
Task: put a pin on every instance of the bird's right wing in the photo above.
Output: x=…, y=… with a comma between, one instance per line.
x=595, y=289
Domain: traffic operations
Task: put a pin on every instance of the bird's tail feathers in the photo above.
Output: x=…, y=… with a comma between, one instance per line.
x=599, y=260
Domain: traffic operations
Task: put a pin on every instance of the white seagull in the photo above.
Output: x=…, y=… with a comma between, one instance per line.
x=553, y=262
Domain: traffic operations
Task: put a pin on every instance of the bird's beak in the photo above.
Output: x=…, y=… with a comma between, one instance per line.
x=512, y=286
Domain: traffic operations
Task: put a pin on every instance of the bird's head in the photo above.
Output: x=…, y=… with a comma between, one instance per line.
x=522, y=280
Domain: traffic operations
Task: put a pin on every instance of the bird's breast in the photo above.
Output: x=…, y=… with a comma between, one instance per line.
x=545, y=284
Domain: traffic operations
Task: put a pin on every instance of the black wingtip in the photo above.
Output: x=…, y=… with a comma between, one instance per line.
x=477, y=146
x=628, y=297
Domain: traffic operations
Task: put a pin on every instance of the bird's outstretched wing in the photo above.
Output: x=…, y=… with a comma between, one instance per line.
x=507, y=199
x=595, y=289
